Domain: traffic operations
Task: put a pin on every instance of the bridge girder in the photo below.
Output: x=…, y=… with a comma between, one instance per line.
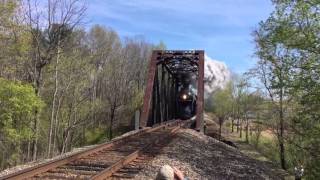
x=164, y=76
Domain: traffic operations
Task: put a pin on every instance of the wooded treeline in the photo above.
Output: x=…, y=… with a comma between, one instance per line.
x=281, y=93
x=62, y=86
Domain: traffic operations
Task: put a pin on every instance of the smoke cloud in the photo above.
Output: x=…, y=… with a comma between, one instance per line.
x=216, y=75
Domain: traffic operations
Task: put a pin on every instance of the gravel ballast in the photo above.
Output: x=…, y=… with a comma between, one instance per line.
x=201, y=157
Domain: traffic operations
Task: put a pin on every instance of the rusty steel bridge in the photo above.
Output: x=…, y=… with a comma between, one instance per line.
x=166, y=71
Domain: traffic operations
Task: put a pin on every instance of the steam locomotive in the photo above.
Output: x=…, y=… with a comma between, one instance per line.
x=187, y=98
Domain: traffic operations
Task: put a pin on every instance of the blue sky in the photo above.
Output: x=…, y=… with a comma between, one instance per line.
x=220, y=27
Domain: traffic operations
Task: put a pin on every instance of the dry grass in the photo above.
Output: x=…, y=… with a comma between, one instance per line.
x=268, y=134
x=267, y=137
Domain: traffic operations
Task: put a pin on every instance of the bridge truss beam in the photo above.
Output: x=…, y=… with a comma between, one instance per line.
x=164, y=77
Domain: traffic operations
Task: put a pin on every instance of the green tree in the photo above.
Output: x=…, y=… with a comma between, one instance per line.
x=288, y=45
x=17, y=104
x=90, y=81
x=222, y=105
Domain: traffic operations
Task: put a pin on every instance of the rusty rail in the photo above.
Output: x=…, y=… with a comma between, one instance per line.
x=126, y=160
x=41, y=168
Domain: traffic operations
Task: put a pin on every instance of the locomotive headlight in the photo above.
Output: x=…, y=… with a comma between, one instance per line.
x=184, y=97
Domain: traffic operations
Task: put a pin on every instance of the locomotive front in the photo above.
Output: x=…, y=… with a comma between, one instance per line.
x=187, y=97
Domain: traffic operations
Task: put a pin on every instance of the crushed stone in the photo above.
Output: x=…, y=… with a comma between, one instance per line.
x=201, y=157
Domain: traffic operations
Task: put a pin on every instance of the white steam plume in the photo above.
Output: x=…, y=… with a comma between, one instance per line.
x=216, y=74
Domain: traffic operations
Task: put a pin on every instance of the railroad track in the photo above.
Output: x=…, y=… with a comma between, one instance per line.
x=119, y=159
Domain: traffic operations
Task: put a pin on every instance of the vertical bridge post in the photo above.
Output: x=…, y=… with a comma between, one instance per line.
x=149, y=89
x=200, y=98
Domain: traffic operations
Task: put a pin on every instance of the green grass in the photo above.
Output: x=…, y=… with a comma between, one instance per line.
x=267, y=147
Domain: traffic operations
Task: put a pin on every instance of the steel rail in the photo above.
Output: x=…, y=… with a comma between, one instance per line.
x=126, y=160
x=32, y=171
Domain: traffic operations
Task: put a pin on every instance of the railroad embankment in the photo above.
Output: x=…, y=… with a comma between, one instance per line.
x=199, y=156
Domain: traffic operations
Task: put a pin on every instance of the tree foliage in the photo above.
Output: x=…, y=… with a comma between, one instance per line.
x=17, y=105
x=288, y=46
x=222, y=102
x=62, y=85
